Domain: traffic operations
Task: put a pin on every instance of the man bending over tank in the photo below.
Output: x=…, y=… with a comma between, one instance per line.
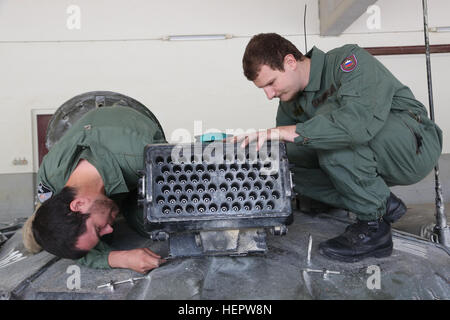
x=88, y=176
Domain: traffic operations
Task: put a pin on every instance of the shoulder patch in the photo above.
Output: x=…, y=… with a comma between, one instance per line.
x=44, y=193
x=349, y=63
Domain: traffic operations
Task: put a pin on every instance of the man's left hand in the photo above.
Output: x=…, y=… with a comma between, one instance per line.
x=284, y=133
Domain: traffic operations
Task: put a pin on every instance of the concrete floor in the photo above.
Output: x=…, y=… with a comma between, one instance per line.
x=418, y=216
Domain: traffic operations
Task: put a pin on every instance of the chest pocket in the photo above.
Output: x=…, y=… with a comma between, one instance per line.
x=326, y=107
x=347, y=91
x=326, y=101
x=318, y=100
x=347, y=95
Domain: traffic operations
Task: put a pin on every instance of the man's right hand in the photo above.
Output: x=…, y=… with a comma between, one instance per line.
x=141, y=260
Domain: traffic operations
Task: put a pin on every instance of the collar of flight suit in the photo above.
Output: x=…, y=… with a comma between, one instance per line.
x=315, y=73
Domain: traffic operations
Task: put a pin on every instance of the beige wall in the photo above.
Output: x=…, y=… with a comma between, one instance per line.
x=43, y=63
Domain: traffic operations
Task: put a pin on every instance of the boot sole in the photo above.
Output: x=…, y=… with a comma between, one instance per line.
x=378, y=253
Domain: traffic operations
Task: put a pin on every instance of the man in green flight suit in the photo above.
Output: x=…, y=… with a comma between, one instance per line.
x=89, y=174
x=352, y=131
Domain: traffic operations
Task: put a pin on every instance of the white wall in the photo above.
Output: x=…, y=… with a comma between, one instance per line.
x=43, y=63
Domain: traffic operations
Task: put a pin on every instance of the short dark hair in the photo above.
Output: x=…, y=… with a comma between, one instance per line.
x=56, y=228
x=267, y=49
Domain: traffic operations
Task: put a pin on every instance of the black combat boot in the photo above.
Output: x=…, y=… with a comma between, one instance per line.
x=360, y=240
x=395, y=209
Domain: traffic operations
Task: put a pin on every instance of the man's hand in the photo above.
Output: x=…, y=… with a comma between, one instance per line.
x=141, y=260
x=285, y=133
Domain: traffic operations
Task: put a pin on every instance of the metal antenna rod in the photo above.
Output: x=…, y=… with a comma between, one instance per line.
x=304, y=29
x=441, y=227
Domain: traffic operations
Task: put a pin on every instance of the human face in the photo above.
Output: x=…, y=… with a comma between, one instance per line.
x=278, y=84
x=103, y=211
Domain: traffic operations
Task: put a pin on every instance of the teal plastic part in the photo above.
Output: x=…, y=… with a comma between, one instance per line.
x=214, y=136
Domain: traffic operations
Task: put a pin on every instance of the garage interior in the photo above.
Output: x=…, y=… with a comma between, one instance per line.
x=52, y=51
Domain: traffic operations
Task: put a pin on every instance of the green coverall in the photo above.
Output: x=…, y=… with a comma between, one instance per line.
x=113, y=140
x=360, y=131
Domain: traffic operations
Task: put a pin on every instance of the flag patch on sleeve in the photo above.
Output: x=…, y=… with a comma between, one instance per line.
x=349, y=63
x=44, y=192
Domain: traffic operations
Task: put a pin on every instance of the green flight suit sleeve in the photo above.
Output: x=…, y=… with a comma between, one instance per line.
x=97, y=258
x=363, y=102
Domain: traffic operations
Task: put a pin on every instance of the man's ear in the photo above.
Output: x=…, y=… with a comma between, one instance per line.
x=79, y=204
x=290, y=62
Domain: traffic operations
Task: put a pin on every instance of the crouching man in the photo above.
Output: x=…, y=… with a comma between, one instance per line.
x=352, y=131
